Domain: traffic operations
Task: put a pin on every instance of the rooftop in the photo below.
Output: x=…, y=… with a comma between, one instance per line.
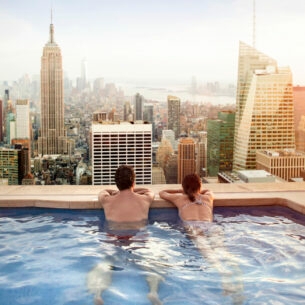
x=282, y=153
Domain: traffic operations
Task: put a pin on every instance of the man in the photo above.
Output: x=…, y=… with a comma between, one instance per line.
x=129, y=204
x=126, y=213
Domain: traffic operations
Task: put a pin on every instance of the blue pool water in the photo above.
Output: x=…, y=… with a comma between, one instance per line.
x=249, y=256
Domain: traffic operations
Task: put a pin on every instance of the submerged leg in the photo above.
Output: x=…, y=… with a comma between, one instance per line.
x=98, y=280
x=153, y=281
x=214, y=251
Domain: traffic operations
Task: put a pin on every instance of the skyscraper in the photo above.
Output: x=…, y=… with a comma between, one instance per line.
x=186, y=158
x=220, y=143
x=201, y=157
x=7, y=116
x=10, y=126
x=138, y=107
x=114, y=144
x=173, y=110
x=264, y=107
x=23, y=119
x=10, y=165
x=299, y=117
x=53, y=138
x=1, y=121
x=148, y=116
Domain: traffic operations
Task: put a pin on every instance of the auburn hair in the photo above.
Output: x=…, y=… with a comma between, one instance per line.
x=191, y=185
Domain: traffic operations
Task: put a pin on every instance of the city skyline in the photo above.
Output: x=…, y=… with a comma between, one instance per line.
x=151, y=42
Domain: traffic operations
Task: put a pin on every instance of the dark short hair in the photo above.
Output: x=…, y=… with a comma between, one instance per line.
x=191, y=184
x=124, y=177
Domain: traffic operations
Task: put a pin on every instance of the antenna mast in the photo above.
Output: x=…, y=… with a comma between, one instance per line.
x=52, y=27
x=254, y=25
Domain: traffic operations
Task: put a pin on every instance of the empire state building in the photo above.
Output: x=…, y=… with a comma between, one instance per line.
x=52, y=138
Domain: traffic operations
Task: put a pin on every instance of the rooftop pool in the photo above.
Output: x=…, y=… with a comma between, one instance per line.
x=249, y=255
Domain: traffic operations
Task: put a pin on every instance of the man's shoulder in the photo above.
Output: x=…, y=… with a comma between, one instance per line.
x=106, y=196
x=145, y=199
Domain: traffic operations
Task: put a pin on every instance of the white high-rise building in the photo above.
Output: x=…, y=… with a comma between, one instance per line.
x=115, y=144
x=23, y=119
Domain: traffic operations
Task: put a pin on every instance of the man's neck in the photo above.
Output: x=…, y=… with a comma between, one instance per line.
x=127, y=190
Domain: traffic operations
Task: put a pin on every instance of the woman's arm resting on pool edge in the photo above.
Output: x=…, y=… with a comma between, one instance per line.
x=171, y=195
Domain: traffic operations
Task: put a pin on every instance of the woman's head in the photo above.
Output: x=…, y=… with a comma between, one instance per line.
x=191, y=185
x=124, y=177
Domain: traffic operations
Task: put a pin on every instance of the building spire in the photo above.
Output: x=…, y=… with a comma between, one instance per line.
x=254, y=25
x=52, y=28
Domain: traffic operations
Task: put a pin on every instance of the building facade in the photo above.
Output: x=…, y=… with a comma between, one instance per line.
x=128, y=115
x=1, y=120
x=138, y=107
x=23, y=130
x=173, y=115
x=220, y=143
x=285, y=164
x=53, y=137
x=24, y=145
x=186, y=158
x=5, y=110
x=114, y=144
x=201, y=154
x=11, y=166
x=299, y=117
x=148, y=116
x=264, y=107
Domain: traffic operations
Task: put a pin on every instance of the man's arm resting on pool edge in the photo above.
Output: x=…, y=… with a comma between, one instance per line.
x=144, y=191
x=105, y=193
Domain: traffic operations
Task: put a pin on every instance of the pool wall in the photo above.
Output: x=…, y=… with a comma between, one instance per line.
x=290, y=194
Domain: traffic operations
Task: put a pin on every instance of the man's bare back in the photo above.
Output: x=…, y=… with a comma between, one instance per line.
x=129, y=205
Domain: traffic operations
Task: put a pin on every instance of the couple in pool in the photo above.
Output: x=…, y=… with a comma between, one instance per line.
x=127, y=209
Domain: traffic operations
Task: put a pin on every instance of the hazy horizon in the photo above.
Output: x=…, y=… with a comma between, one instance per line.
x=143, y=41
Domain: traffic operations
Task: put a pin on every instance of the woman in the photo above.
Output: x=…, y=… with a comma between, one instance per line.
x=195, y=207
x=193, y=203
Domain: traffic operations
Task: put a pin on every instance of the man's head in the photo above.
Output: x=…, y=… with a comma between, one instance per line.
x=124, y=177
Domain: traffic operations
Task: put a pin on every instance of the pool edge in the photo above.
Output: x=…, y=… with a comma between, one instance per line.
x=290, y=195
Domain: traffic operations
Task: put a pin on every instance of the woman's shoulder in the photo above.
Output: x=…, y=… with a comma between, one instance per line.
x=207, y=193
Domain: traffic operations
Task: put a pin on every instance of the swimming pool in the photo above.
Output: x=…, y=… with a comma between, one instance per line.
x=250, y=256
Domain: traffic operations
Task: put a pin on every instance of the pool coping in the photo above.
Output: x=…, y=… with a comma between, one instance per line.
x=290, y=194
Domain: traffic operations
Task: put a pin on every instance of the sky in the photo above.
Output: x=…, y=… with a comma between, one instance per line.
x=151, y=41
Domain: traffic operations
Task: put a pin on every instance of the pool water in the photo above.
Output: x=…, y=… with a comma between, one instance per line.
x=249, y=256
